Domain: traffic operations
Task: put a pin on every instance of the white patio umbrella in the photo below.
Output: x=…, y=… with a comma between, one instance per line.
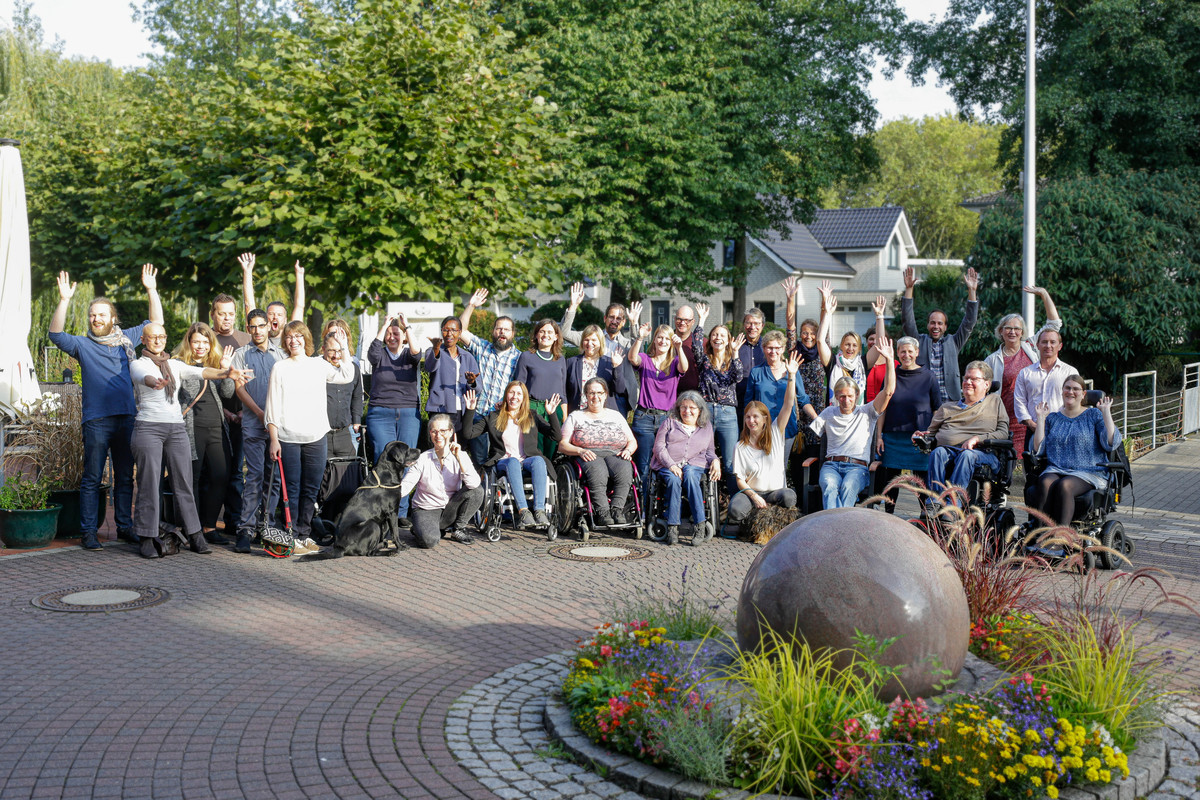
x=18, y=380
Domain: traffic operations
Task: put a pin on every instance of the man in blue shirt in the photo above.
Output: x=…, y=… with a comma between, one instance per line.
x=104, y=355
x=261, y=356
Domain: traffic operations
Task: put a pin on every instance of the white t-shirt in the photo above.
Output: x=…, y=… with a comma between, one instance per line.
x=296, y=399
x=762, y=472
x=512, y=439
x=153, y=404
x=848, y=434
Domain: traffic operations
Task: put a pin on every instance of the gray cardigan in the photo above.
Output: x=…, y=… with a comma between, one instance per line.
x=950, y=344
x=188, y=389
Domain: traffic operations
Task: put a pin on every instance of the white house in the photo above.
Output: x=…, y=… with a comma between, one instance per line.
x=862, y=252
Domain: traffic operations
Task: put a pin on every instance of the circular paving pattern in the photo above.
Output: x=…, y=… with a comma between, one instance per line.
x=102, y=598
x=606, y=551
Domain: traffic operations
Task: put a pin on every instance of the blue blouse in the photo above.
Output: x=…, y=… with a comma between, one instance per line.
x=1079, y=444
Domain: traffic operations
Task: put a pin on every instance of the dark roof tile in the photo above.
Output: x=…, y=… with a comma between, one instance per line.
x=839, y=229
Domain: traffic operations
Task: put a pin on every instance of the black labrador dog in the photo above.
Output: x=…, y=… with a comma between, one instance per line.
x=369, y=519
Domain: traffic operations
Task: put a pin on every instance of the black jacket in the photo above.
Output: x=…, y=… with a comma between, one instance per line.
x=529, y=439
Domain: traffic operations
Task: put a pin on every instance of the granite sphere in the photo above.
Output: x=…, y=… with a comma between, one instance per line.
x=835, y=572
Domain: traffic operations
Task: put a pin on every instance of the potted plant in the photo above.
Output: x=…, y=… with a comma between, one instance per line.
x=49, y=436
x=27, y=517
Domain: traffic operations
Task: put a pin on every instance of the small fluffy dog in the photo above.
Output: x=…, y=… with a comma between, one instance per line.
x=369, y=520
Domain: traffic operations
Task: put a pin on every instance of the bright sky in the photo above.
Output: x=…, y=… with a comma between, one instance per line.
x=104, y=29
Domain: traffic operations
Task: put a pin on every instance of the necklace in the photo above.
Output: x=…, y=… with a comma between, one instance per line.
x=544, y=358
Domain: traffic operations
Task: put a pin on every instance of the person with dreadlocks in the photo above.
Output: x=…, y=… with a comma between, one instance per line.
x=160, y=437
x=104, y=354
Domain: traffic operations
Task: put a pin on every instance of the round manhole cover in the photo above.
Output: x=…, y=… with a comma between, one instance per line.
x=607, y=551
x=91, y=599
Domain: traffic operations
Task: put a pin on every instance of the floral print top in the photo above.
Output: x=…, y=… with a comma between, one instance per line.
x=717, y=385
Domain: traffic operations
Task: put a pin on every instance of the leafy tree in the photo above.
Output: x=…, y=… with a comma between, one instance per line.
x=401, y=153
x=1118, y=81
x=929, y=166
x=1119, y=254
x=197, y=34
x=702, y=119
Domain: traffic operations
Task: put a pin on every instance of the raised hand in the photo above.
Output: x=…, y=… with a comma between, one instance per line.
x=227, y=357
x=478, y=298
x=552, y=403
x=884, y=346
x=470, y=399
x=576, y=294
x=299, y=270
x=701, y=313
x=676, y=342
x=618, y=356
x=826, y=289
x=910, y=277
x=247, y=261
x=738, y=341
x=66, y=289
x=1105, y=405
x=790, y=286
x=879, y=306
x=971, y=279
x=793, y=364
x=403, y=320
x=1040, y=291
x=644, y=330
x=149, y=277
x=1042, y=410
x=635, y=313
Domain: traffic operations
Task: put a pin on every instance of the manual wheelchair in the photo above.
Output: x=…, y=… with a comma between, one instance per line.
x=500, y=508
x=656, y=505
x=576, y=511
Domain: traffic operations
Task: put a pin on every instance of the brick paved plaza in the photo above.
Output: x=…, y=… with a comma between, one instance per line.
x=278, y=679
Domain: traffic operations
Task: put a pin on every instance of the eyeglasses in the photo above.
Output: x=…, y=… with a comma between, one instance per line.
x=1010, y=329
x=440, y=432
x=162, y=337
x=976, y=380
x=597, y=393
x=256, y=327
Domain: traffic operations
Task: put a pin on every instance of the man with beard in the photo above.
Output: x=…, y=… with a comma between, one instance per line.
x=685, y=325
x=223, y=313
x=276, y=311
x=160, y=437
x=260, y=357
x=497, y=364
x=104, y=356
x=938, y=351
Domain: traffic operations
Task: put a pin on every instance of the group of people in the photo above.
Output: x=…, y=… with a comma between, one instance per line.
x=676, y=405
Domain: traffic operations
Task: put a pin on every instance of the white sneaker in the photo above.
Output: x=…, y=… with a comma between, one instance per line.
x=300, y=547
x=311, y=545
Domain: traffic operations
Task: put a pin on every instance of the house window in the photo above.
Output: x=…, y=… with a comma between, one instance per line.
x=893, y=254
x=660, y=312
x=841, y=257
x=726, y=311
x=768, y=309
x=729, y=253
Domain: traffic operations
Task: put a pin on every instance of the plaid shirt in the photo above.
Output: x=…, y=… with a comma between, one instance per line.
x=497, y=368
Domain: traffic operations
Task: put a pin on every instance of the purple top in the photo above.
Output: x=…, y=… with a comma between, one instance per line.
x=658, y=389
x=674, y=445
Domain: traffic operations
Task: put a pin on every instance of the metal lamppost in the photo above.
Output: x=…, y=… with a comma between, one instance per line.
x=1028, y=262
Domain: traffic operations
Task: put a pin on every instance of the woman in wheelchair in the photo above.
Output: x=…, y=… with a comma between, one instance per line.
x=848, y=430
x=760, y=458
x=684, y=448
x=600, y=439
x=1076, y=442
x=513, y=430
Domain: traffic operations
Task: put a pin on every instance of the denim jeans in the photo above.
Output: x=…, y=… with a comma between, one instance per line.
x=536, y=467
x=690, y=485
x=259, y=473
x=960, y=463
x=100, y=436
x=386, y=425
x=234, y=489
x=303, y=468
x=725, y=428
x=645, y=426
x=841, y=482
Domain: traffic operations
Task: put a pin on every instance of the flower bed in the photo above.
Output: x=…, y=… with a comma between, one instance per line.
x=636, y=692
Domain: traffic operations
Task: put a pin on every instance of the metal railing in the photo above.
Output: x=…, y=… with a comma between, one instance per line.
x=1149, y=418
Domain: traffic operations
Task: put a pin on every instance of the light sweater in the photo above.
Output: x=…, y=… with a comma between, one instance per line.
x=296, y=401
x=153, y=404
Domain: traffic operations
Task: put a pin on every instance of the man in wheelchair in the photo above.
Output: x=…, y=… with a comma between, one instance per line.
x=960, y=427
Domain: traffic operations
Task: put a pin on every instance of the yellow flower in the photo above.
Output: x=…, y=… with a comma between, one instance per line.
x=1052, y=792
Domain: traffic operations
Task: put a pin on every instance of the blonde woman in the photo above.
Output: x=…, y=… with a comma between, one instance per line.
x=513, y=429
x=593, y=362
x=204, y=418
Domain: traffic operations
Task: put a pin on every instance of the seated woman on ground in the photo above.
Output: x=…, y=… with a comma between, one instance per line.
x=848, y=433
x=603, y=444
x=513, y=429
x=684, y=449
x=760, y=458
x=1076, y=442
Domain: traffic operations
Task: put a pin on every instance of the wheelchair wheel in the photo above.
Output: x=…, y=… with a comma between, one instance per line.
x=551, y=532
x=1002, y=523
x=1112, y=536
x=493, y=533
x=566, y=505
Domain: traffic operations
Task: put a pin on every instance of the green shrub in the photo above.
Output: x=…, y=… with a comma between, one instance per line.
x=586, y=314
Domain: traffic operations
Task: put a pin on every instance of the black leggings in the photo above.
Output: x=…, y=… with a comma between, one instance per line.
x=1055, y=495
x=210, y=472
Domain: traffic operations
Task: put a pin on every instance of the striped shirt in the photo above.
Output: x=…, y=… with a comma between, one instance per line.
x=497, y=368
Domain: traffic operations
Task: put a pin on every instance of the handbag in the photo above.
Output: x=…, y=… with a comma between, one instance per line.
x=279, y=543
